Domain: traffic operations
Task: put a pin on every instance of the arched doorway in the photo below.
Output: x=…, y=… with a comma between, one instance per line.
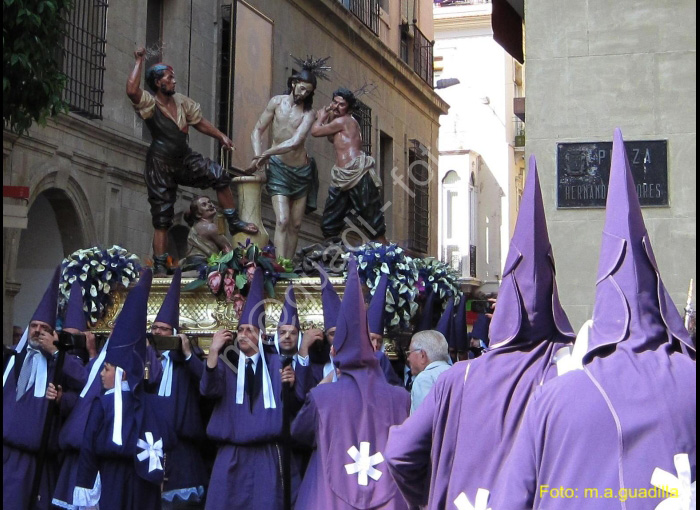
x=53, y=231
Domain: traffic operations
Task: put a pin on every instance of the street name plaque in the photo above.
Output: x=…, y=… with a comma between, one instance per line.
x=583, y=172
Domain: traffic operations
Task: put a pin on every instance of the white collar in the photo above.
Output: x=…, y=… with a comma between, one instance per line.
x=255, y=357
x=125, y=387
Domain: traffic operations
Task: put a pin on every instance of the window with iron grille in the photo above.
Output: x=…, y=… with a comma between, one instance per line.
x=363, y=115
x=367, y=11
x=419, y=197
x=84, y=57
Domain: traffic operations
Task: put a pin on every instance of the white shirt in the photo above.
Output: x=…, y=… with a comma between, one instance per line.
x=423, y=382
x=255, y=357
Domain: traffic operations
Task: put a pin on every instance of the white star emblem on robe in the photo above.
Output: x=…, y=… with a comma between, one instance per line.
x=364, y=464
x=686, y=490
x=153, y=451
x=482, y=498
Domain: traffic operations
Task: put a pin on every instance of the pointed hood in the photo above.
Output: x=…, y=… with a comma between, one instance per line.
x=330, y=301
x=352, y=345
x=459, y=325
x=375, y=313
x=426, y=319
x=46, y=311
x=169, y=312
x=444, y=325
x=127, y=343
x=254, y=308
x=631, y=302
x=528, y=301
x=290, y=312
x=75, y=315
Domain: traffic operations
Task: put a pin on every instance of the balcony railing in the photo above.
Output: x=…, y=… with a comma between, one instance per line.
x=423, y=56
x=367, y=11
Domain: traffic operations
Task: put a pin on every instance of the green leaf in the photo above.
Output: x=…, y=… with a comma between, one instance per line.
x=241, y=281
x=194, y=285
x=269, y=288
x=226, y=258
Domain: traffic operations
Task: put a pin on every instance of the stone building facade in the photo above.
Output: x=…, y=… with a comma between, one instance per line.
x=84, y=170
x=590, y=67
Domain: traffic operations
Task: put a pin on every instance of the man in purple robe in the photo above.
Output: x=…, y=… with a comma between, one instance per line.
x=27, y=389
x=126, y=437
x=178, y=386
x=619, y=430
x=70, y=437
x=447, y=455
x=248, y=416
x=348, y=421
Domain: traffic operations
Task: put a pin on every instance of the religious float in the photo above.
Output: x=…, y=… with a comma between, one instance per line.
x=213, y=294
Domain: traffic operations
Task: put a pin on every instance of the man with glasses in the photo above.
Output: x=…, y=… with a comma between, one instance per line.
x=428, y=357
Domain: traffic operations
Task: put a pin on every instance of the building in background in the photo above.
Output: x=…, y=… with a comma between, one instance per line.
x=481, y=142
x=83, y=173
x=591, y=67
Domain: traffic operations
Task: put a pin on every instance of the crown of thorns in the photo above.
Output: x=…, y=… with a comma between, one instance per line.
x=317, y=67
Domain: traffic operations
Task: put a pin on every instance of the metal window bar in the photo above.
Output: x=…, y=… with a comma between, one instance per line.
x=367, y=11
x=423, y=56
x=84, y=57
x=363, y=116
x=472, y=261
x=226, y=70
x=419, y=197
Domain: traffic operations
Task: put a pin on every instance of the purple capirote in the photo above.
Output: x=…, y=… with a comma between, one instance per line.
x=290, y=311
x=75, y=315
x=169, y=312
x=46, y=311
x=348, y=421
x=448, y=454
x=375, y=312
x=624, y=422
x=446, y=322
x=329, y=300
x=127, y=343
x=254, y=309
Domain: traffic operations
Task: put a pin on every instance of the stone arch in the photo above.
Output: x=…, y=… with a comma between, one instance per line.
x=71, y=206
x=60, y=222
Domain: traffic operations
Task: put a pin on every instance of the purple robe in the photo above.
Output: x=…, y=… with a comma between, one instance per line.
x=621, y=426
x=22, y=427
x=124, y=486
x=448, y=454
x=247, y=469
x=185, y=472
x=316, y=371
x=348, y=421
x=70, y=440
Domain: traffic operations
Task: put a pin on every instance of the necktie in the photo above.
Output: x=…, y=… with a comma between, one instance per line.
x=409, y=381
x=249, y=382
x=25, y=374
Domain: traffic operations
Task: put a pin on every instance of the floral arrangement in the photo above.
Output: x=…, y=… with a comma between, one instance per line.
x=373, y=259
x=228, y=274
x=98, y=271
x=437, y=275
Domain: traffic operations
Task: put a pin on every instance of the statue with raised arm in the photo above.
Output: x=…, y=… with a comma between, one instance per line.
x=170, y=161
x=355, y=186
x=292, y=178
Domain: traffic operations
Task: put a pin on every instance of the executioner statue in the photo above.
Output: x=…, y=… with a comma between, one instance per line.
x=355, y=186
x=292, y=178
x=170, y=161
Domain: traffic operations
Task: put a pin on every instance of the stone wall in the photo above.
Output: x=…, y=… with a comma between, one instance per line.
x=593, y=66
